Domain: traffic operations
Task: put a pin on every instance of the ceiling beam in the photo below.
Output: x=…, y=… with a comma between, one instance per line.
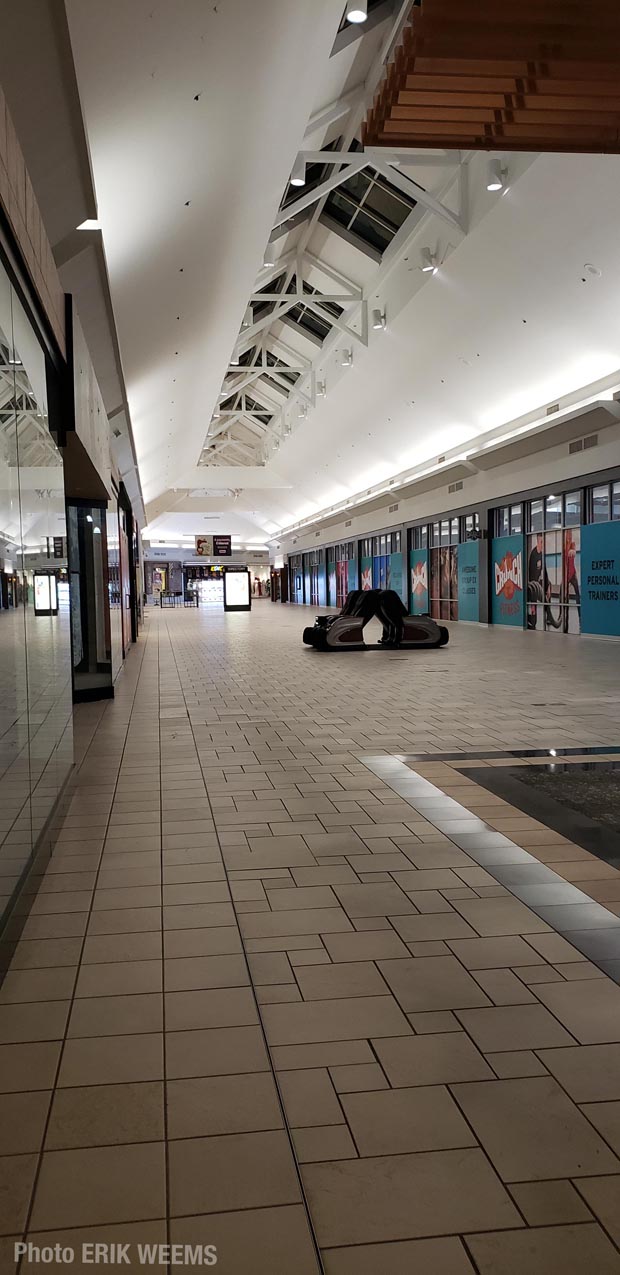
x=319, y=192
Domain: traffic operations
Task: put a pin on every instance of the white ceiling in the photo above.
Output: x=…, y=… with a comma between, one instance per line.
x=457, y=358
x=139, y=67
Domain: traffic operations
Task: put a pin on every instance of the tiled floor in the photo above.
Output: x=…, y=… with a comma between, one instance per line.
x=275, y=996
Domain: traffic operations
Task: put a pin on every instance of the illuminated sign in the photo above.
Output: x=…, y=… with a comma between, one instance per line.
x=237, y=590
x=204, y=546
x=222, y=546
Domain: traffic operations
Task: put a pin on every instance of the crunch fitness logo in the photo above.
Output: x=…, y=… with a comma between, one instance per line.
x=509, y=575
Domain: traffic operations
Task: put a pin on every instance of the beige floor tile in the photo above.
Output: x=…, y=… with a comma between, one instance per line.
x=420, y=929
x=323, y=1142
x=391, y=1121
x=518, y=1062
x=358, y=1079
x=504, y=988
x=431, y=1060
x=437, y=1257
x=549, y=1203
x=588, y=1073
x=218, y=941
x=215, y=1051
x=354, y=978
x=603, y=1197
x=331, y=1054
x=278, y=1239
x=405, y=1197
x=112, y=1060
x=32, y=1065
x=330, y=920
x=352, y=1019
x=371, y=945
x=33, y=1021
x=270, y=968
x=531, y=1130
x=228, y=1172
x=491, y=917
x=119, y=978
x=605, y=1116
x=103, y=948
x=591, y=1011
x=188, y=973
x=573, y=1250
x=116, y=1015
x=22, y=986
x=312, y=896
x=513, y=1027
x=210, y=1105
x=187, y=916
x=495, y=953
x=104, y=1114
x=100, y=1184
x=17, y=1174
x=22, y=1121
x=41, y=953
x=214, y=1007
x=309, y=1098
x=431, y=983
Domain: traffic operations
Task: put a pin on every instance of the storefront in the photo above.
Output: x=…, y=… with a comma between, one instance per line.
x=35, y=629
x=341, y=572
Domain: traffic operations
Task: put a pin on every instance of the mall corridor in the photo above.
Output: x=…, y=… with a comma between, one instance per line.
x=281, y=993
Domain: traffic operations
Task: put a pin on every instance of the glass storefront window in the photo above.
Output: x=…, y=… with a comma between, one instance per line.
x=553, y=512
x=572, y=509
x=445, y=532
x=600, y=504
x=615, y=500
x=516, y=520
x=503, y=521
x=536, y=515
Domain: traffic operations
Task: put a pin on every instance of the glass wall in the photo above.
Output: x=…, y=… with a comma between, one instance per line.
x=36, y=741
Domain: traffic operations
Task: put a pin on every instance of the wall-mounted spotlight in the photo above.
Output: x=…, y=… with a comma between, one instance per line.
x=346, y=358
x=248, y=318
x=302, y=411
x=378, y=320
x=96, y=531
x=428, y=262
x=357, y=10
x=321, y=389
x=496, y=175
x=216, y=415
x=288, y=428
x=269, y=257
x=234, y=360
x=298, y=175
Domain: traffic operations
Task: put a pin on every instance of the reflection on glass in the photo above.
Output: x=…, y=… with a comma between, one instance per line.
x=600, y=504
x=572, y=509
x=36, y=746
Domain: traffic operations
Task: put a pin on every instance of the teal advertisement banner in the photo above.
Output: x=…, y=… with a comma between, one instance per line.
x=351, y=574
x=507, y=592
x=468, y=560
x=366, y=573
x=418, y=580
x=600, y=579
x=321, y=584
x=395, y=575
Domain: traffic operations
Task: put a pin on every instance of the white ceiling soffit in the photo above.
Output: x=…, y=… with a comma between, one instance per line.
x=48, y=118
x=193, y=127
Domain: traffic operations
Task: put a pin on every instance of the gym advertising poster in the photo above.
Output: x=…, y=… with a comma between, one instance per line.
x=554, y=580
x=600, y=578
x=468, y=555
x=352, y=574
x=418, y=574
x=332, y=595
x=396, y=578
x=507, y=580
x=366, y=573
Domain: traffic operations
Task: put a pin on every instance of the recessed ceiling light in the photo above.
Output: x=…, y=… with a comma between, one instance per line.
x=357, y=11
x=298, y=175
x=496, y=175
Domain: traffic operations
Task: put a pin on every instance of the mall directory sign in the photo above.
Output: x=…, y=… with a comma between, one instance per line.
x=237, y=589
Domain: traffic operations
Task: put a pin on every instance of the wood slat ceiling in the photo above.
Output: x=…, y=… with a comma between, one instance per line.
x=539, y=75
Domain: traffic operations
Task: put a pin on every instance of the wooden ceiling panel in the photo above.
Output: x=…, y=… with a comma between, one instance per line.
x=524, y=75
